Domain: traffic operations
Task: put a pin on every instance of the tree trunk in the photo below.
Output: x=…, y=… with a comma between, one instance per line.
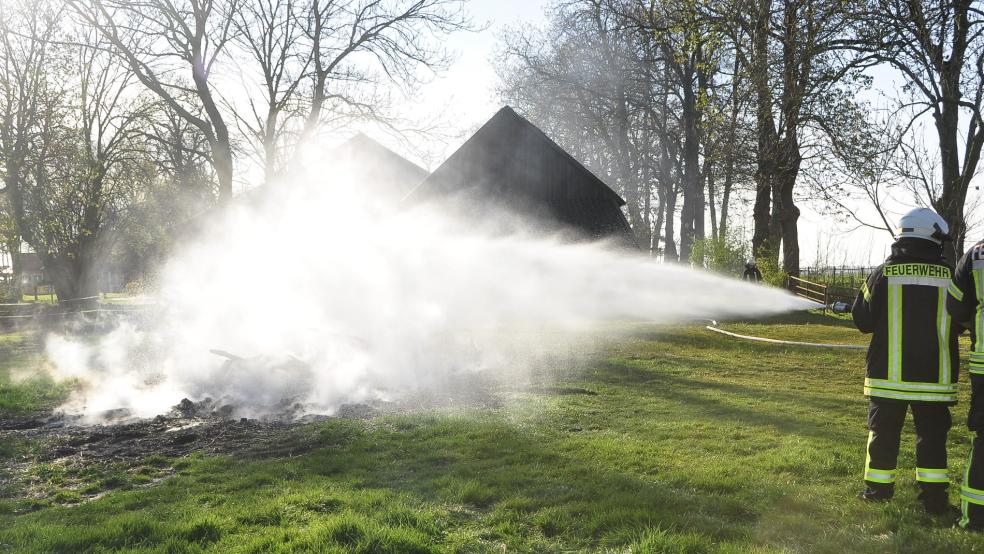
x=951, y=201
x=729, y=162
x=726, y=198
x=270, y=145
x=220, y=142
x=692, y=186
x=763, y=236
x=761, y=215
x=13, y=248
x=787, y=219
x=796, y=68
x=626, y=168
x=669, y=239
x=655, y=232
x=74, y=275
x=709, y=177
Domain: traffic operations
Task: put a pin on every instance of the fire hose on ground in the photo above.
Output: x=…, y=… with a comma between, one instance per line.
x=714, y=328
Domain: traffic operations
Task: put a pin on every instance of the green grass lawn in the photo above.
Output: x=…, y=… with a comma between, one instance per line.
x=24, y=385
x=693, y=442
x=105, y=298
x=50, y=298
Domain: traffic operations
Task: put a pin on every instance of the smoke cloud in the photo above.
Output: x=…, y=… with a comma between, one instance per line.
x=329, y=298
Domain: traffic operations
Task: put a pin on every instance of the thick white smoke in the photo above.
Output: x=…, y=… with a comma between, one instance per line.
x=332, y=300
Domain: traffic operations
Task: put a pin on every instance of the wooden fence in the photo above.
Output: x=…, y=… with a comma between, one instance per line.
x=842, y=282
x=87, y=310
x=816, y=292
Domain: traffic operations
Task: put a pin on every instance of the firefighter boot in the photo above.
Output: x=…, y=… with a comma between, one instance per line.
x=936, y=503
x=876, y=493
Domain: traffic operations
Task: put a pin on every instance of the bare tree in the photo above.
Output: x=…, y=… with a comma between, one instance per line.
x=169, y=209
x=862, y=169
x=584, y=82
x=320, y=60
x=69, y=114
x=688, y=47
x=270, y=32
x=939, y=48
x=355, y=44
x=636, y=87
x=26, y=28
x=173, y=48
x=87, y=170
x=794, y=52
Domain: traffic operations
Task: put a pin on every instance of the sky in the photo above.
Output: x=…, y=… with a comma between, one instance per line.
x=468, y=88
x=463, y=98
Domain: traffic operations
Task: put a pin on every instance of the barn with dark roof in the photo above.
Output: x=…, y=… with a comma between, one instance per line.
x=378, y=171
x=509, y=164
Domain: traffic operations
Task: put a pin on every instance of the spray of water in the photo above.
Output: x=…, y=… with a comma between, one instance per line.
x=330, y=299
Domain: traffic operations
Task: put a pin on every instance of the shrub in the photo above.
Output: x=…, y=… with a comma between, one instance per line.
x=772, y=272
x=725, y=255
x=9, y=292
x=137, y=287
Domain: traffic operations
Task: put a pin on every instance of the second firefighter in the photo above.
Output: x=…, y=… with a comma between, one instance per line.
x=911, y=361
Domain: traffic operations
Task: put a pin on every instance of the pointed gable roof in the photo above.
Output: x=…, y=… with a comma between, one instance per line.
x=378, y=167
x=510, y=162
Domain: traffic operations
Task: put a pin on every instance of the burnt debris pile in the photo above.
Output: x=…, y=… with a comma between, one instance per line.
x=207, y=426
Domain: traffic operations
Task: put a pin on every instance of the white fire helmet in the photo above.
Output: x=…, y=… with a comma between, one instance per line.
x=924, y=223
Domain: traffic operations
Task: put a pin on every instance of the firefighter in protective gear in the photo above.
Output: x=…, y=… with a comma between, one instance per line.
x=752, y=272
x=912, y=360
x=966, y=305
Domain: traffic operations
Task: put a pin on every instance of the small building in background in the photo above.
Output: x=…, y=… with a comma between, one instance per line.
x=509, y=176
x=380, y=174
x=370, y=174
x=30, y=269
x=6, y=267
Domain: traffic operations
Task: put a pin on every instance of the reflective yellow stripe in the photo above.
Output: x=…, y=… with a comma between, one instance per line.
x=876, y=475
x=964, y=515
x=979, y=320
x=925, y=396
x=908, y=386
x=955, y=292
x=865, y=292
x=973, y=496
x=932, y=475
x=943, y=326
x=942, y=283
x=894, y=332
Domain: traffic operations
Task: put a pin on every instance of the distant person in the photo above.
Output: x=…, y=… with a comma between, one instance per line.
x=966, y=305
x=752, y=272
x=912, y=361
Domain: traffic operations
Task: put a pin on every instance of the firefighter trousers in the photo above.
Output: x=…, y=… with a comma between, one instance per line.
x=972, y=489
x=885, y=420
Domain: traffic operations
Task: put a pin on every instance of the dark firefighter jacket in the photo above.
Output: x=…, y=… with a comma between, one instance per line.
x=752, y=274
x=965, y=306
x=913, y=354
x=965, y=303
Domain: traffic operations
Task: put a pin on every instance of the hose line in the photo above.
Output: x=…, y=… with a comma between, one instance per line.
x=714, y=328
